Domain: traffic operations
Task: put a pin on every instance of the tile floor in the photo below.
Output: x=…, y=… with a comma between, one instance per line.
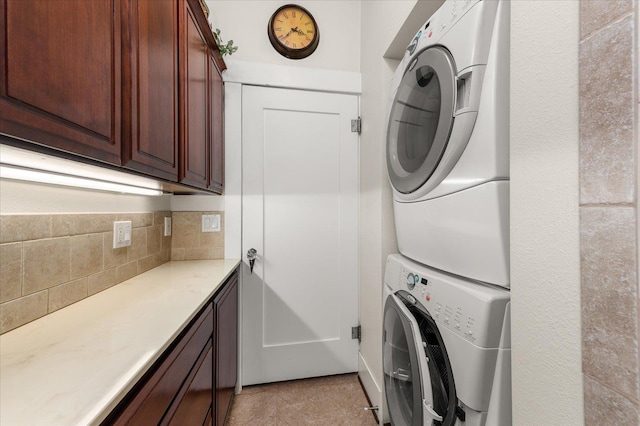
x=332, y=400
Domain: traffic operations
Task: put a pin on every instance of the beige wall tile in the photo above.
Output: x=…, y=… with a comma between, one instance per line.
x=113, y=257
x=212, y=239
x=166, y=242
x=217, y=253
x=596, y=14
x=20, y=311
x=158, y=217
x=24, y=227
x=154, y=239
x=606, y=407
x=163, y=256
x=138, y=248
x=127, y=271
x=148, y=263
x=101, y=281
x=68, y=293
x=185, y=235
x=607, y=115
x=46, y=264
x=10, y=271
x=178, y=254
x=610, y=297
x=187, y=218
x=138, y=220
x=76, y=224
x=87, y=254
x=198, y=253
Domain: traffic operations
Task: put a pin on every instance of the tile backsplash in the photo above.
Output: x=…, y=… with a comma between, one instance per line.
x=190, y=243
x=50, y=261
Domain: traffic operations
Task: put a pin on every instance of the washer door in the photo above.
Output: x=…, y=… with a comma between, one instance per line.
x=417, y=375
x=421, y=119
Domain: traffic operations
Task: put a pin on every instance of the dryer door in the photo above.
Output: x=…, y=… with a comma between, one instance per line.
x=418, y=383
x=421, y=119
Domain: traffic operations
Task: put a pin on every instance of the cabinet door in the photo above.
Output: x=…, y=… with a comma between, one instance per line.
x=216, y=181
x=225, y=307
x=195, y=405
x=195, y=140
x=61, y=75
x=151, y=112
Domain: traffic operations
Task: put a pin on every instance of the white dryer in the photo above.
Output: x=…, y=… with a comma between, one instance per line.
x=446, y=348
x=448, y=142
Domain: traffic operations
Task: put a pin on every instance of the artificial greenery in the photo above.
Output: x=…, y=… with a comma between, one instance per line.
x=225, y=49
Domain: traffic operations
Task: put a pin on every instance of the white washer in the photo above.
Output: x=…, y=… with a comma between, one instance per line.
x=446, y=348
x=448, y=142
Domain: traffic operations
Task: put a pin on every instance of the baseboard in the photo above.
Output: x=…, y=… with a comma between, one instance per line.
x=372, y=390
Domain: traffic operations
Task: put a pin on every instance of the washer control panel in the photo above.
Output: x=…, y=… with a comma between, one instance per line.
x=472, y=310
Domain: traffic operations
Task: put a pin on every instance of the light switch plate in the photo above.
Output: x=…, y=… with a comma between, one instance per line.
x=167, y=226
x=121, y=233
x=210, y=223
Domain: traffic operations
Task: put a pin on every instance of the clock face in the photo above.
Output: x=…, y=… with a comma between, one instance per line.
x=293, y=32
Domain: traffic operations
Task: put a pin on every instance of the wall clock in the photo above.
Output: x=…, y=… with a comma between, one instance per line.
x=293, y=32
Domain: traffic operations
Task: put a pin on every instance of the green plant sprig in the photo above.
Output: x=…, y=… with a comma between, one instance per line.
x=225, y=49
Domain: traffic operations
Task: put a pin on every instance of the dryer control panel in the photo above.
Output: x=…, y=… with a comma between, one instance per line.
x=474, y=311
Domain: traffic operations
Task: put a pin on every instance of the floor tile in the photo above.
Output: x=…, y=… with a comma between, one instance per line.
x=331, y=400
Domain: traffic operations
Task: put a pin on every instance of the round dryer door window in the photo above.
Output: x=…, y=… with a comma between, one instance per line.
x=421, y=119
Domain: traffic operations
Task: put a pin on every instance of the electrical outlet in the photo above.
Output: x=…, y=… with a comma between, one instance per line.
x=210, y=223
x=167, y=226
x=121, y=233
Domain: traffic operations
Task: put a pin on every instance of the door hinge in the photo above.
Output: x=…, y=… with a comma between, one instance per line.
x=356, y=332
x=356, y=125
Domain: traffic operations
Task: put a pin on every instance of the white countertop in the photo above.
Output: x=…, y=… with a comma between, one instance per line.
x=72, y=367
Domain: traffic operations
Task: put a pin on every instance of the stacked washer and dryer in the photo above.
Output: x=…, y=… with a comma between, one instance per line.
x=446, y=338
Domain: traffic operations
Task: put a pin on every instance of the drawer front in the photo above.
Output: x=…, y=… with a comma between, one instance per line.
x=198, y=396
x=152, y=401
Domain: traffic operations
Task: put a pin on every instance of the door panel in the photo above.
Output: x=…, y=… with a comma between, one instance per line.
x=300, y=188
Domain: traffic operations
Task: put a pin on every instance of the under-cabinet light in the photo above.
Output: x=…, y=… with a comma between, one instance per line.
x=51, y=178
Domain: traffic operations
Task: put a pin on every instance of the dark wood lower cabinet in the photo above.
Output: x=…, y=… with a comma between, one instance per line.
x=225, y=307
x=194, y=381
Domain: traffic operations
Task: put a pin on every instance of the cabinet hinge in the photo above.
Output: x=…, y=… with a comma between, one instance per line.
x=356, y=125
x=356, y=332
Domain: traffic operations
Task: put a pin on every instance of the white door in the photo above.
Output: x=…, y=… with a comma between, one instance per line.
x=300, y=213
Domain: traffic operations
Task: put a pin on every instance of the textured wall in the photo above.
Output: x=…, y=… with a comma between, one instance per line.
x=381, y=20
x=608, y=211
x=545, y=263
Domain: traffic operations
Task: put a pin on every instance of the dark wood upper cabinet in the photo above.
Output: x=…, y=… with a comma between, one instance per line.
x=216, y=114
x=151, y=113
x=195, y=143
x=133, y=83
x=60, y=63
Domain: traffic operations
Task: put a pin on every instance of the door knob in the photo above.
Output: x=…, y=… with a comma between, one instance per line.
x=251, y=257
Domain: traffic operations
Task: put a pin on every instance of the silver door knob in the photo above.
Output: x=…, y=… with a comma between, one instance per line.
x=251, y=257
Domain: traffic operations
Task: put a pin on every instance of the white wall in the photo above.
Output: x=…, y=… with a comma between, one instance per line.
x=245, y=22
x=381, y=21
x=545, y=279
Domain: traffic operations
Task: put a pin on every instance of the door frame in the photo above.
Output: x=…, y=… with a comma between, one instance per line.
x=238, y=74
